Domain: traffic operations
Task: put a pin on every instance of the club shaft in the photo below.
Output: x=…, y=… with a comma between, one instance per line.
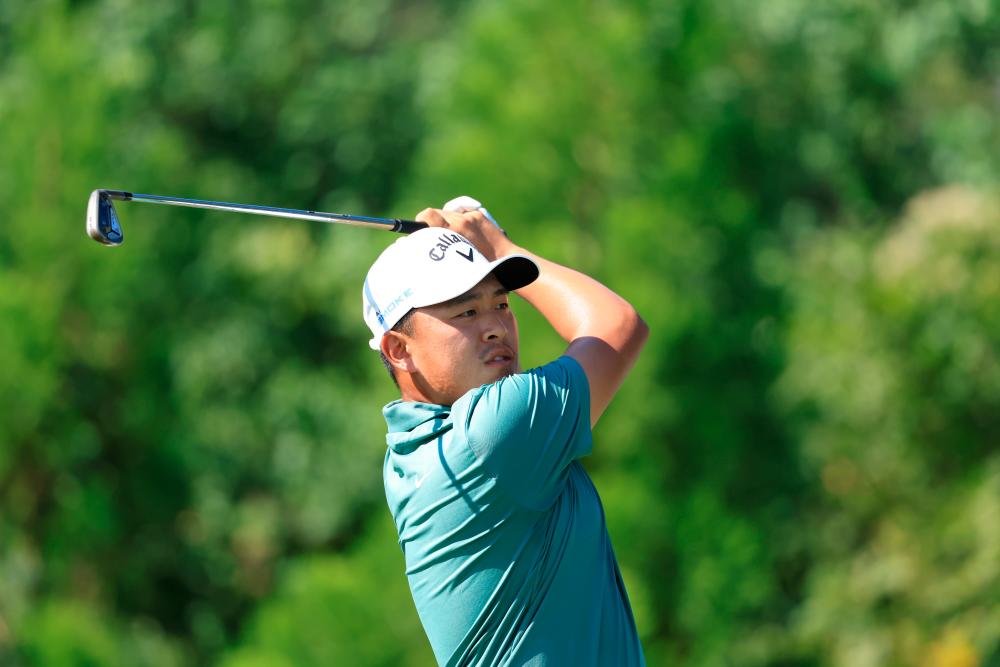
x=391, y=224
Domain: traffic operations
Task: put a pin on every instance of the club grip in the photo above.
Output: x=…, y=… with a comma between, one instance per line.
x=407, y=226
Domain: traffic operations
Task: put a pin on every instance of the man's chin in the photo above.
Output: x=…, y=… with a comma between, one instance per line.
x=507, y=371
x=499, y=373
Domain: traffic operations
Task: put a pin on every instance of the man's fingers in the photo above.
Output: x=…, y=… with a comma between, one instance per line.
x=475, y=225
x=437, y=218
x=474, y=217
x=432, y=217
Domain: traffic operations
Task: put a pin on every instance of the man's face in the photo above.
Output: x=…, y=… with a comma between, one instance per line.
x=463, y=343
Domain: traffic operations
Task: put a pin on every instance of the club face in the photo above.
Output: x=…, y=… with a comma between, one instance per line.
x=102, y=221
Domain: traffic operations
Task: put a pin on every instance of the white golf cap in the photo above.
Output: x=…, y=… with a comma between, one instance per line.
x=428, y=267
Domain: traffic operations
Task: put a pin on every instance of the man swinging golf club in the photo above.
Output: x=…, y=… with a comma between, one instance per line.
x=504, y=538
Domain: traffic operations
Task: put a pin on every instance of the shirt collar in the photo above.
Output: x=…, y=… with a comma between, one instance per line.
x=411, y=424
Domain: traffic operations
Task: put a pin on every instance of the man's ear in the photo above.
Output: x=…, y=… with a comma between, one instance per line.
x=395, y=348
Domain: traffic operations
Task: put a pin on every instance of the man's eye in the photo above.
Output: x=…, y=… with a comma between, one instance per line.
x=467, y=313
x=503, y=306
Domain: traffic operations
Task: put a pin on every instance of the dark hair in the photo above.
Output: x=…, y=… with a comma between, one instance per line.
x=403, y=326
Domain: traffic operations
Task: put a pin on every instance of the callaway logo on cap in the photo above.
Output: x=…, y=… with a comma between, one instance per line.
x=428, y=267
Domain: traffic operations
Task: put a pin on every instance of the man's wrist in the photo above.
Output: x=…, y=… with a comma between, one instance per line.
x=506, y=247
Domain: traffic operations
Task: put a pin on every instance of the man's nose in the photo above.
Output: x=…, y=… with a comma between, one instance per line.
x=494, y=328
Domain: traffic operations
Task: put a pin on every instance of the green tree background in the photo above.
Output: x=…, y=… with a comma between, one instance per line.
x=801, y=198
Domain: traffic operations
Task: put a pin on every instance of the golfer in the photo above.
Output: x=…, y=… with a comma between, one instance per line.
x=503, y=534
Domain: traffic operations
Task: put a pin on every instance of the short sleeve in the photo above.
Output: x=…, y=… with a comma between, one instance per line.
x=528, y=427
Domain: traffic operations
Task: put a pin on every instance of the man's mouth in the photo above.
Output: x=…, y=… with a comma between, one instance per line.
x=499, y=357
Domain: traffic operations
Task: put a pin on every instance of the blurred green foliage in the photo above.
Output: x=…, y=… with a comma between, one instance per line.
x=801, y=198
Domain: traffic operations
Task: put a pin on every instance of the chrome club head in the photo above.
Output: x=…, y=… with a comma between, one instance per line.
x=102, y=221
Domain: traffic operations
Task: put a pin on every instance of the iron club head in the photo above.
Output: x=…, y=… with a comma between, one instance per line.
x=102, y=220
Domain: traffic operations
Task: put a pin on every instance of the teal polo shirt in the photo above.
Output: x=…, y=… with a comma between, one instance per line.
x=506, y=547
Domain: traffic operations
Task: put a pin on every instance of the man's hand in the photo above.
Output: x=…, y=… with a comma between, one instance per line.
x=473, y=225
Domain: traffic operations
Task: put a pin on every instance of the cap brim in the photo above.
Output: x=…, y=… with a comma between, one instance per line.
x=515, y=271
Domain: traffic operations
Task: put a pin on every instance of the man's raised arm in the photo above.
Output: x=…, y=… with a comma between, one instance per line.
x=604, y=332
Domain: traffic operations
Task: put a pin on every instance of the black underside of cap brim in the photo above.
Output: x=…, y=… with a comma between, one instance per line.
x=515, y=272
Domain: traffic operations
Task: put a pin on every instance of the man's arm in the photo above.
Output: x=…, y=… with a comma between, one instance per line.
x=604, y=332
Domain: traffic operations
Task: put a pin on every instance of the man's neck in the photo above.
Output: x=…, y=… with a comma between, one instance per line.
x=412, y=391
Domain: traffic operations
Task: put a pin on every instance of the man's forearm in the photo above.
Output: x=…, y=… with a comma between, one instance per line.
x=605, y=333
x=576, y=305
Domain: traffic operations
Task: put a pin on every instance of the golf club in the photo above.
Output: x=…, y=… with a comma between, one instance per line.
x=103, y=225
